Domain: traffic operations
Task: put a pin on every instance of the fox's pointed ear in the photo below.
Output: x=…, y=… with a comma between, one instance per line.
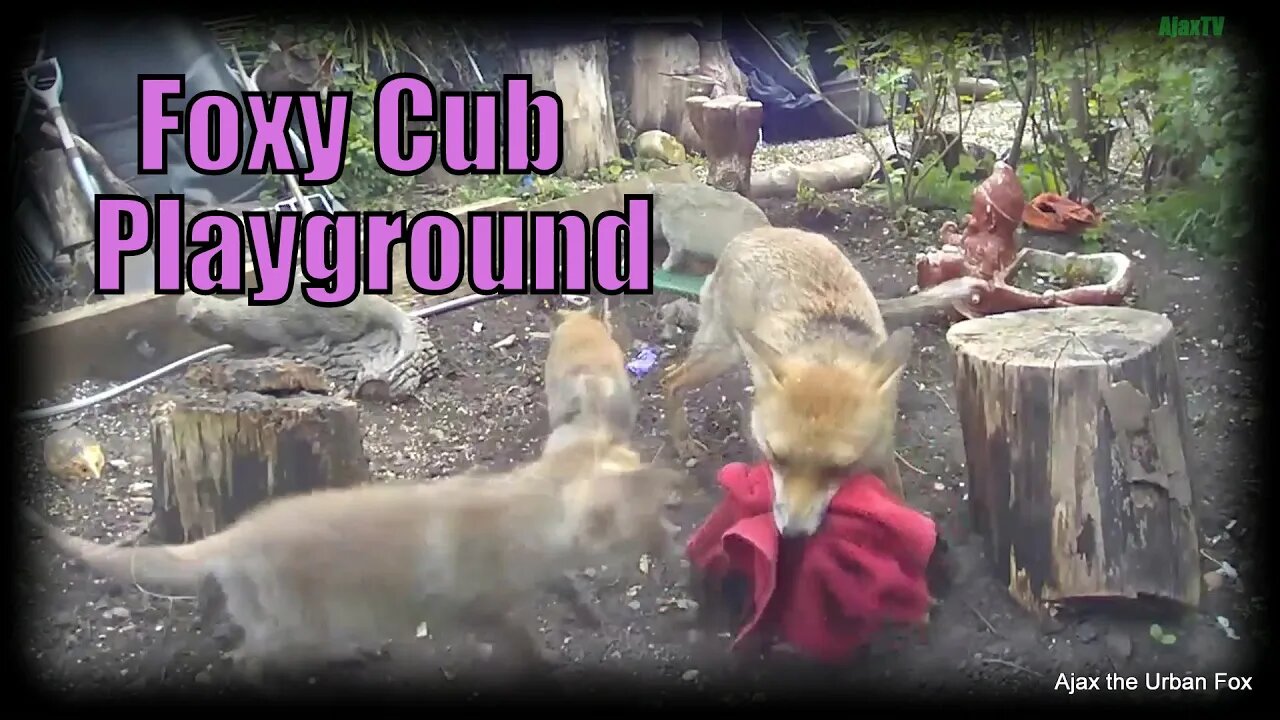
x=763, y=359
x=891, y=356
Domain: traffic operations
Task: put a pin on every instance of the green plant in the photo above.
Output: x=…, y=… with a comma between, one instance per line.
x=1186, y=108
x=923, y=67
x=810, y=200
x=951, y=190
x=352, y=56
x=487, y=187
x=1037, y=179
x=1092, y=238
x=610, y=172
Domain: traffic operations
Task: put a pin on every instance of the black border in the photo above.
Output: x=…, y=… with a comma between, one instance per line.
x=608, y=688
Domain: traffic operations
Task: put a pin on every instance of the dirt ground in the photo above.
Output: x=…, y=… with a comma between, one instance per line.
x=84, y=634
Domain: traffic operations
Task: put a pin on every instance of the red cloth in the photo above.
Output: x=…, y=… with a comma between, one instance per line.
x=865, y=566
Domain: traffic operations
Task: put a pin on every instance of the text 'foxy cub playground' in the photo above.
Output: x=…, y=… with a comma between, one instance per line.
x=344, y=254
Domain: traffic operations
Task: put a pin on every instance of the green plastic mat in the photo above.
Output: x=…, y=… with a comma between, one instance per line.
x=678, y=283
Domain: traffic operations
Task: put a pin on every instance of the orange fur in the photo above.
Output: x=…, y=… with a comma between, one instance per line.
x=321, y=575
x=585, y=374
x=825, y=370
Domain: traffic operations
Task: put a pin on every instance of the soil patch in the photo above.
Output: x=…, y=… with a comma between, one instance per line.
x=485, y=409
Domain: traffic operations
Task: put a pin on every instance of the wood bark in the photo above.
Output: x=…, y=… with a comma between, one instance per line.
x=716, y=62
x=1076, y=438
x=243, y=432
x=837, y=173
x=652, y=84
x=579, y=74
x=729, y=127
x=61, y=199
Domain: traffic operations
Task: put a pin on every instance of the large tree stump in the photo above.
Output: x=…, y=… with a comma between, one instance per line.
x=579, y=74
x=1076, y=437
x=730, y=128
x=246, y=431
x=655, y=80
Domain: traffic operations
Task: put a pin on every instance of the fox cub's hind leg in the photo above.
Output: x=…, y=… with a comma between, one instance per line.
x=712, y=353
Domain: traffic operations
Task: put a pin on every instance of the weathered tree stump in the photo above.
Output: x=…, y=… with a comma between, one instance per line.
x=730, y=128
x=651, y=83
x=246, y=431
x=1076, y=437
x=579, y=74
x=61, y=199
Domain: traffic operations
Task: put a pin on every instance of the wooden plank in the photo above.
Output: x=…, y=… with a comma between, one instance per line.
x=93, y=342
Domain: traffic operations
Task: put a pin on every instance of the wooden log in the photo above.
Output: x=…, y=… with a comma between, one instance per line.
x=1076, y=437
x=655, y=95
x=837, y=173
x=579, y=74
x=61, y=199
x=729, y=127
x=243, y=434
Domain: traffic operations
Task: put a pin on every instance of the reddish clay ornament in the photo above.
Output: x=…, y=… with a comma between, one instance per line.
x=987, y=250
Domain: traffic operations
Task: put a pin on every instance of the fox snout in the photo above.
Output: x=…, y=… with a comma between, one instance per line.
x=799, y=504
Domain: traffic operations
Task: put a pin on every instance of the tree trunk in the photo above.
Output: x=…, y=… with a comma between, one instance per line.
x=715, y=60
x=61, y=199
x=247, y=431
x=655, y=97
x=729, y=127
x=579, y=74
x=1076, y=437
x=1076, y=166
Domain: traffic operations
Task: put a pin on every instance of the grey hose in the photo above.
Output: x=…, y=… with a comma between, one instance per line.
x=82, y=403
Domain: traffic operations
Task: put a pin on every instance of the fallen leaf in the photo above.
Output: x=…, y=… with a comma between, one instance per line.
x=645, y=564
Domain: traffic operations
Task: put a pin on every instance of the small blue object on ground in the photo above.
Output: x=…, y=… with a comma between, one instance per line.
x=645, y=360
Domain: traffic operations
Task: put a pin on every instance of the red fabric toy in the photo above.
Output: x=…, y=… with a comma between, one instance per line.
x=824, y=595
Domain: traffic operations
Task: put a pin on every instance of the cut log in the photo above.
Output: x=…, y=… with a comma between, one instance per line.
x=652, y=84
x=1076, y=437
x=837, y=173
x=61, y=199
x=579, y=74
x=237, y=438
x=729, y=127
